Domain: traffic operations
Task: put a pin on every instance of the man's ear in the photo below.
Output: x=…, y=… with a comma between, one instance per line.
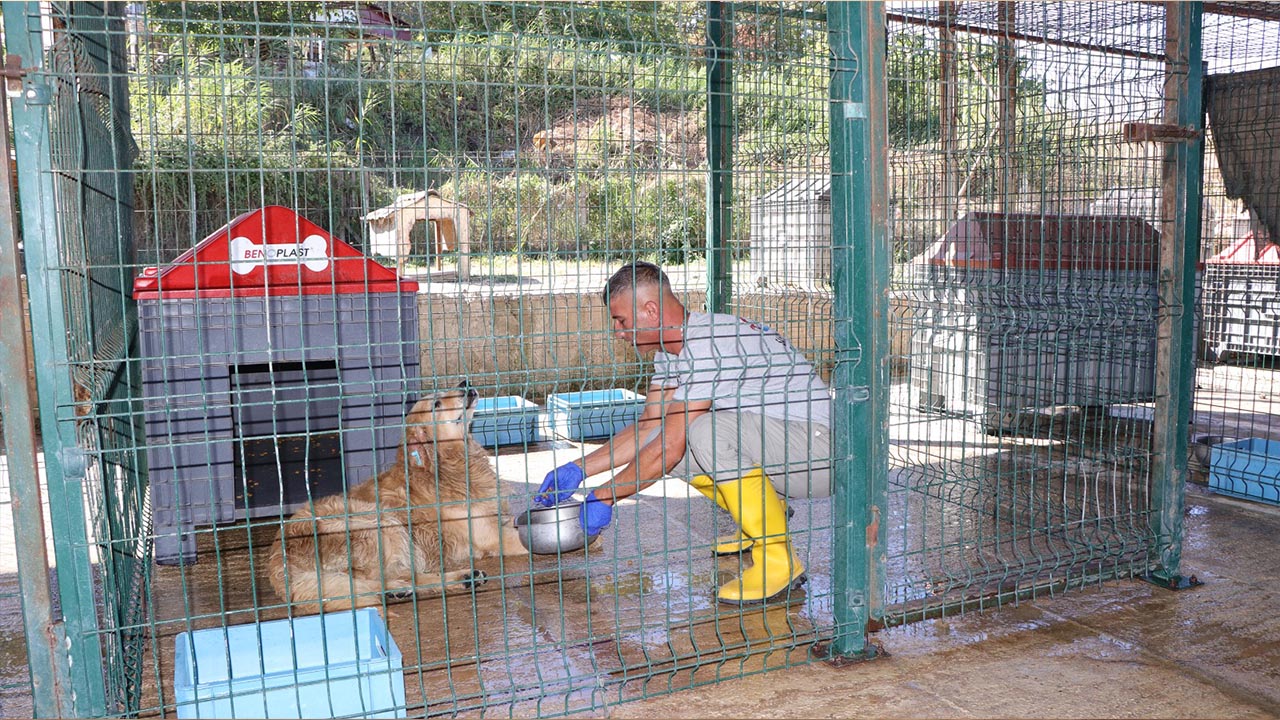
x=652, y=309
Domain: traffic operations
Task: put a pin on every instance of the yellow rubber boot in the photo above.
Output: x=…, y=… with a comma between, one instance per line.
x=726, y=544
x=760, y=513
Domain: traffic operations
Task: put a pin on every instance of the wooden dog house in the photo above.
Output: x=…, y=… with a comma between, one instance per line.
x=448, y=228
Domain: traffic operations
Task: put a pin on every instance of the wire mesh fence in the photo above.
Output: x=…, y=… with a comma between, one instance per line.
x=349, y=208
x=1233, y=432
x=1026, y=312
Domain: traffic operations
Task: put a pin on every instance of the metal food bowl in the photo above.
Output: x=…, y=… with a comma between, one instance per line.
x=551, y=530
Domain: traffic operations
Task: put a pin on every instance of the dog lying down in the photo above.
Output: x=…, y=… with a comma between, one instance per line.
x=437, y=502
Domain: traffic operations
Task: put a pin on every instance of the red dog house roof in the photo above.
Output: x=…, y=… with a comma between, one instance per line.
x=271, y=251
x=1248, y=250
x=1029, y=241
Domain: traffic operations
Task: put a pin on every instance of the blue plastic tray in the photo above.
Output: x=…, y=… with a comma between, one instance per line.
x=505, y=420
x=338, y=664
x=594, y=413
x=1248, y=468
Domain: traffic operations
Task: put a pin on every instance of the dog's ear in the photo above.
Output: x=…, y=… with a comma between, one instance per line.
x=417, y=430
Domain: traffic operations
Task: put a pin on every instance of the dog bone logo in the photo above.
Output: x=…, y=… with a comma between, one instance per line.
x=247, y=255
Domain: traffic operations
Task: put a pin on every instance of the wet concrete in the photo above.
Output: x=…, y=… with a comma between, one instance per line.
x=1123, y=649
x=545, y=634
x=633, y=618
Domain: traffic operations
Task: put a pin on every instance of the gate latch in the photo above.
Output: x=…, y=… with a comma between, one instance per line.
x=1156, y=132
x=13, y=73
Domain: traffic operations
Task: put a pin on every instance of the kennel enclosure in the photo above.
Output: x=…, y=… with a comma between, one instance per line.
x=579, y=137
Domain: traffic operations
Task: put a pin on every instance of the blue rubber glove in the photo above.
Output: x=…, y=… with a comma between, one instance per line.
x=595, y=514
x=559, y=484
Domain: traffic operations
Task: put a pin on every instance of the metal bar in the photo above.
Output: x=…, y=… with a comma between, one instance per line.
x=65, y=463
x=1255, y=11
x=719, y=155
x=45, y=640
x=1180, y=210
x=1025, y=37
x=1007, y=110
x=860, y=275
x=781, y=12
x=948, y=115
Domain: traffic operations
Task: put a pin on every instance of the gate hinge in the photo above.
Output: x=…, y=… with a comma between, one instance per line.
x=13, y=73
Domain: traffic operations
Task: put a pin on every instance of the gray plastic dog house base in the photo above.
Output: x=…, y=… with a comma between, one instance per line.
x=993, y=346
x=220, y=374
x=1242, y=309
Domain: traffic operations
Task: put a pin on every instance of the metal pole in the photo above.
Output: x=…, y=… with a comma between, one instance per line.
x=1007, y=119
x=1179, y=256
x=860, y=275
x=65, y=463
x=719, y=155
x=44, y=632
x=948, y=88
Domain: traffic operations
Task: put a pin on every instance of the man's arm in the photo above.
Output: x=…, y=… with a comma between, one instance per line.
x=621, y=448
x=658, y=455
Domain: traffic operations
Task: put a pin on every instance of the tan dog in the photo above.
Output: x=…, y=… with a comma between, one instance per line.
x=399, y=532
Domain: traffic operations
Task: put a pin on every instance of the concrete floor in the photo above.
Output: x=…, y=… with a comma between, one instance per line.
x=1125, y=649
x=585, y=634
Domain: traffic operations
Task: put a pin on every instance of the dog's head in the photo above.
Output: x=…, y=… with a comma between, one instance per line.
x=440, y=417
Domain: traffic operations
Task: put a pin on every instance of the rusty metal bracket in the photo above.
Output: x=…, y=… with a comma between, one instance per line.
x=1157, y=132
x=1176, y=582
x=13, y=74
x=823, y=651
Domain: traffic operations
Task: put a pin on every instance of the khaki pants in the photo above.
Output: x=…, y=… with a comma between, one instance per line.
x=726, y=444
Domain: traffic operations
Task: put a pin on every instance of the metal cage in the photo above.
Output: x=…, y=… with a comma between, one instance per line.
x=979, y=222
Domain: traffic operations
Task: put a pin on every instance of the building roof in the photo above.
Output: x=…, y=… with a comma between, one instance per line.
x=800, y=190
x=409, y=200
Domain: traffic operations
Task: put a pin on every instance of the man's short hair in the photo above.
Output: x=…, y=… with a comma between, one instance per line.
x=632, y=275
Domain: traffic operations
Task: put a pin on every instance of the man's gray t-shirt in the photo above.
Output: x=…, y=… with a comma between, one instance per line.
x=742, y=365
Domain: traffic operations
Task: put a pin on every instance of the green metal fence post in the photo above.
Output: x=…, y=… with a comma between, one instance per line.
x=1175, y=360
x=46, y=660
x=719, y=155
x=860, y=275
x=65, y=464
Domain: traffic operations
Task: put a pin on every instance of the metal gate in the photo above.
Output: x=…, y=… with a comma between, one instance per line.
x=1043, y=297
x=74, y=150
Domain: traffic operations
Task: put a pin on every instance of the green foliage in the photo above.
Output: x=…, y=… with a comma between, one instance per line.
x=626, y=26
x=213, y=102
x=606, y=216
x=218, y=141
x=275, y=102
x=235, y=30
x=914, y=67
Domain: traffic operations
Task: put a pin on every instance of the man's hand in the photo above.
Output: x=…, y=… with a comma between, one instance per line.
x=595, y=515
x=559, y=484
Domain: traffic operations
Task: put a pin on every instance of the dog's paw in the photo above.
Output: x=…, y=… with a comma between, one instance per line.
x=405, y=594
x=475, y=579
